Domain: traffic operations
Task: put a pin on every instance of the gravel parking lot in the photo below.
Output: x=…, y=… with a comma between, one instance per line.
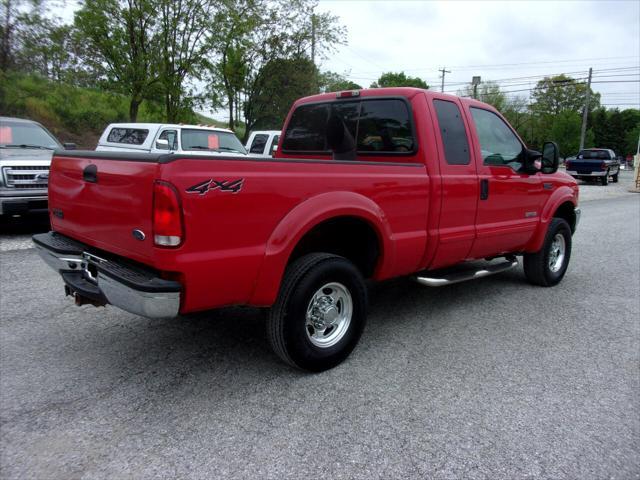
x=493, y=379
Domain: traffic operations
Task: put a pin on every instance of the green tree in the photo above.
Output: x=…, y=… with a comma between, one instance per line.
x=253, y=33
x=565, y=131
x=123, y=45
x=184, y=29
x=280, y=83
x=238, y=25
x=394, y=79
x=334, y=82
x=553, y=95
x=9, y=23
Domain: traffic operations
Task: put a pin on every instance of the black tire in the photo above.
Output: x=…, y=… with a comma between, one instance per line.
x=614, y=178
x=287, y=327
x=536, y=265
x=605, y=179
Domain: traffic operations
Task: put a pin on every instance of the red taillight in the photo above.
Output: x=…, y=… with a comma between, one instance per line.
x=567, y=164
x=603, y=166
x=167, y=216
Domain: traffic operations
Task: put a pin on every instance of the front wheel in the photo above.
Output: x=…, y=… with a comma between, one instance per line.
x=547, y=266
x=320, y=312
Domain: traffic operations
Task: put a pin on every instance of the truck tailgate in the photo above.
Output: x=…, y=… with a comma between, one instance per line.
x=101, y=201
x=585, y=166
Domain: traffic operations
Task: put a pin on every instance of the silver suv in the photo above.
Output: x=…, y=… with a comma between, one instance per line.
x=26, y=148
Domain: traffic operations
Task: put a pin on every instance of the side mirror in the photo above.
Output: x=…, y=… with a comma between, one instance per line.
x=69, y=146
x=532, y=161
x=162, y=144
x=274, y=150
x=550, y=157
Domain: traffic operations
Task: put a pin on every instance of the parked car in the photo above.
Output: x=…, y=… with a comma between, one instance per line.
x=170, y=138
x=600, y=163
x=26, y=148
x=369, y=184
x=263, y=143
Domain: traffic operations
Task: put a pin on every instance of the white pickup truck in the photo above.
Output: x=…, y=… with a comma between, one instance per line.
x=170, y=138
x=263, y=143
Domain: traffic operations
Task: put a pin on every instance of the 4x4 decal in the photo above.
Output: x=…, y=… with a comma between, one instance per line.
x=201, y=188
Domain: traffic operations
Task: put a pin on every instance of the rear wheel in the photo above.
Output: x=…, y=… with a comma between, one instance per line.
x=614, y=178
x=605, y=179
x=547, y=266
x=320, y=312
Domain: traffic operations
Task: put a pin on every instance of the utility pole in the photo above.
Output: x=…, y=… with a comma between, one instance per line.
x=475, y=81
x=585, y=112
x=443, y=73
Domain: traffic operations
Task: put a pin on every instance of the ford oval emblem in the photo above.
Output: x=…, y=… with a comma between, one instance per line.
x=138, y=234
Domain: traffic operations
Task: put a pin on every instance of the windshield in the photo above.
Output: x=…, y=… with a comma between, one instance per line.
x=25, y=135
x=209, y=140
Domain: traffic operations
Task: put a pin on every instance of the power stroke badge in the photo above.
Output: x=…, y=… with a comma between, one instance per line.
x=233, y=186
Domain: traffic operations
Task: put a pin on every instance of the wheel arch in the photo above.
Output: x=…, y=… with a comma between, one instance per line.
x=560, y=205
x=302, y=229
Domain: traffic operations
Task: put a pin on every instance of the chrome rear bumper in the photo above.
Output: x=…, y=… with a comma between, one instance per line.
x=108, y=280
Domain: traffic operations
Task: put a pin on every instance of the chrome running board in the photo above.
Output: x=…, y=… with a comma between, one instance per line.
x=436, y=279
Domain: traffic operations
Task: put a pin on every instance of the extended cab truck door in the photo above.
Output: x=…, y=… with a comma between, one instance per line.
x=459, y=180
x=170, y=135
x=510, y=201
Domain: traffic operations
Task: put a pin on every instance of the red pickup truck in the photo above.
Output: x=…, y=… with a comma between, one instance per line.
x=368, y=184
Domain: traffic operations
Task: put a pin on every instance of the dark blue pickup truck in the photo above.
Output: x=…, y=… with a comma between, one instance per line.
x=596, y=163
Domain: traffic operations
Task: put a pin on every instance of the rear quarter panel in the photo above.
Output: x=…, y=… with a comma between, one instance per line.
x=237, y=244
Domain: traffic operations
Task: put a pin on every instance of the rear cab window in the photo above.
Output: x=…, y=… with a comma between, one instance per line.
x=361, y=129
x=594, y=155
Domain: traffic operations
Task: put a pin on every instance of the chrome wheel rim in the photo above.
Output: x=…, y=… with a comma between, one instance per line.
x=329, y=315
x=557, y=253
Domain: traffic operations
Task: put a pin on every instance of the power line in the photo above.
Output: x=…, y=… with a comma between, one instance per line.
x=497, y=65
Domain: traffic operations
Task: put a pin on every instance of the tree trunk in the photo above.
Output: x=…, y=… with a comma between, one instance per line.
x=134, y=105
x=231, y=106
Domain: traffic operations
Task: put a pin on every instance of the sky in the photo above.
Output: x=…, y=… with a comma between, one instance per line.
x=496, y=40
x=502, y=41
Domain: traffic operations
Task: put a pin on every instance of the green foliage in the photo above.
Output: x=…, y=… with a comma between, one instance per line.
x=393, y=79
x=249, y=34
x=615, y=129
x=565, y=131
x=553, y=95
x=281, y=82
x=64, y=107
x=334, y=82
x=124, y=41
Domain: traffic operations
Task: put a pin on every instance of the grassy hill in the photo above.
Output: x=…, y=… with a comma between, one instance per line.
x=73, y=114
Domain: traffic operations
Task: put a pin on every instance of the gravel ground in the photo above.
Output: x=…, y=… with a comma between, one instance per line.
x=493, y=379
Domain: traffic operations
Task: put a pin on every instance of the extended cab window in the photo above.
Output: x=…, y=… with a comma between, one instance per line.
x=498, y=144
x=454, y=136
x=171, y=136
x=129, y=136
x=258, y=144
x=350, y=128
